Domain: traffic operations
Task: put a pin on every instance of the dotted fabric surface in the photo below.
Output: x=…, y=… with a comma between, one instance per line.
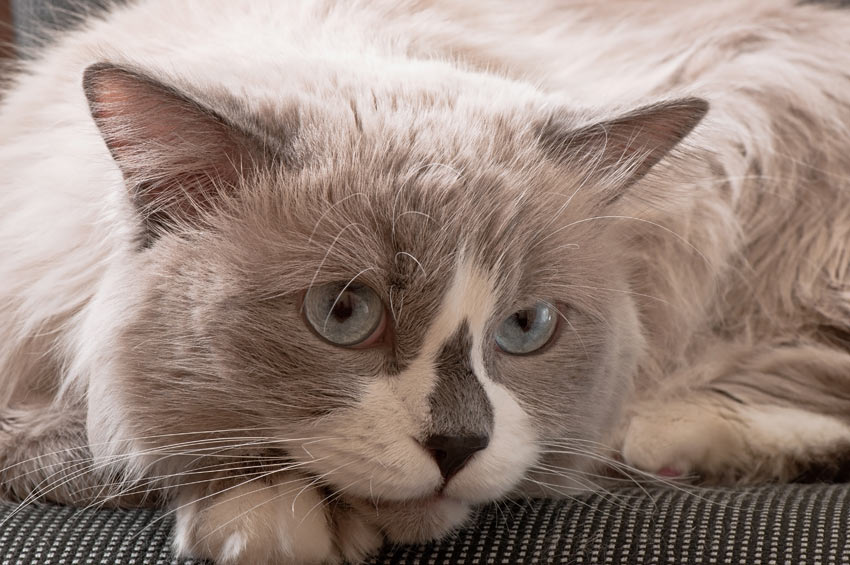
x=761, y=526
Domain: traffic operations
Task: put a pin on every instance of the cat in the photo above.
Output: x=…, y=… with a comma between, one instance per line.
x=317, y=274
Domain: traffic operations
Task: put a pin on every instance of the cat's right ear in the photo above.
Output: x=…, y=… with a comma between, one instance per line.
x=613, y=154
x=178, y=157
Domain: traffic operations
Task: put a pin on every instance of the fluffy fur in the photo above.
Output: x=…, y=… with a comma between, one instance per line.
x=176, y=176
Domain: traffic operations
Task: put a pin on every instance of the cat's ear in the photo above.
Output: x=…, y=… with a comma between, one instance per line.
x=615, y=153
x=177, y=156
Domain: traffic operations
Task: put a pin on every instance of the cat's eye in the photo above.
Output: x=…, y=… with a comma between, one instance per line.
x=348, y=315
x=526, y=331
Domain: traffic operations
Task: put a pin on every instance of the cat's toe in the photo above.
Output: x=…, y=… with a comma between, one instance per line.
x=281, y=523
x=356, y=537
x=683, y=441
x=419, y=522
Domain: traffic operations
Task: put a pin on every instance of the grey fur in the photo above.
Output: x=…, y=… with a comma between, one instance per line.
x=459, y=405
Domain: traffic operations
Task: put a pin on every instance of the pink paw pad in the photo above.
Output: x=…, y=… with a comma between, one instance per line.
x=669, y=472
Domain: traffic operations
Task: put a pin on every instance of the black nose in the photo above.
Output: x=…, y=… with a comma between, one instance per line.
x=452, y=452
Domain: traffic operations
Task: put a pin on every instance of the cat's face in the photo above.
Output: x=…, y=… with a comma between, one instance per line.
x=406, y=297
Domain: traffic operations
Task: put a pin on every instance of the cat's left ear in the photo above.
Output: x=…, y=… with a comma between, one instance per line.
x=614, y=153
x=179, y=158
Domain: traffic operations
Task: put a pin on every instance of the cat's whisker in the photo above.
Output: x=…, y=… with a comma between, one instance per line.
x=249, y=510
x=616, y=290
x=47, y=485
x=248, y=456
x=680, y=238
x=400, y=306
x=576, y=475
x=129, y=440
x=582, y=484
x=280, y=468
x=654, y=480
x=331, y=208
x=336, y=494
x=328, y=252
x=594, y=456
x=498, y=505
x=90, y=466
x=216, y=493
x=572, y=441
x=391, y=292
x=629, y=470
x=572, y=327
x=263, y=503
x=217, y=469
x=556, y=470
x=339, y=295
x=417, y=213
x=579, y=475
x=317, y=479
x=39, y=490
x=562, y=493
x=418, y=264
x=563, y=208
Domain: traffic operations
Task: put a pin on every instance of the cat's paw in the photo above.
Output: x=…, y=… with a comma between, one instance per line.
x=686, y=440
x=414, y=521
x=356, y=537
x=285, y=522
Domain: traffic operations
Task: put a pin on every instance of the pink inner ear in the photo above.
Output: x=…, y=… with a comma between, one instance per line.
x=175, y=154
x=620, y=151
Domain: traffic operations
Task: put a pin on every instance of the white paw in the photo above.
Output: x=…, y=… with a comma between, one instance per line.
x=285, y=522
x=415, y=521
x=356, y=537
x=686, y=440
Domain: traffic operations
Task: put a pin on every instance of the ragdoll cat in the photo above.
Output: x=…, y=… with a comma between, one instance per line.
x=316, y=274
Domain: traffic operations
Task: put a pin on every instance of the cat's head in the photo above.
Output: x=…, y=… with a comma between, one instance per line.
x=407, y=290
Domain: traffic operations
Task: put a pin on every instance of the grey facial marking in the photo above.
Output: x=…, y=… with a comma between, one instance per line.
x=459, y=404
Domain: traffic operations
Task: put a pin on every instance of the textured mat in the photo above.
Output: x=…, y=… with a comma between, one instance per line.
x=770, y=525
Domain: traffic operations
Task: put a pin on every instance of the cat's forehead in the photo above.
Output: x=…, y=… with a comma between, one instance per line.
x=400, y=190
x=407, y=233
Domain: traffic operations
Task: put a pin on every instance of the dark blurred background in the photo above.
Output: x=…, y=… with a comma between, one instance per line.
x=5, y=28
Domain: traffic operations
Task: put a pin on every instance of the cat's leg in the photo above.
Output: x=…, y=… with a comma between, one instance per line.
x=776, y=414
x=282, y=519
x=44, y=455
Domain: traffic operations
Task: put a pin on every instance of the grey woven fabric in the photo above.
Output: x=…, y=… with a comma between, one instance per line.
x=769, y=525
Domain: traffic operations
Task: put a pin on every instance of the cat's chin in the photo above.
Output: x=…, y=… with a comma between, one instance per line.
x=416, y=520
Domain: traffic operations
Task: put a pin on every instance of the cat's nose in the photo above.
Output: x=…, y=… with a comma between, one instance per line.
x=452, y=452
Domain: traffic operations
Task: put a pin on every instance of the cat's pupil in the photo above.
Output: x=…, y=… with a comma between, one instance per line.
x=344, y=307
x=524, y=319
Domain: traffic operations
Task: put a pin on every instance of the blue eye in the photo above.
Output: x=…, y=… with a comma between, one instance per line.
x=527, y=330
x=346, y=315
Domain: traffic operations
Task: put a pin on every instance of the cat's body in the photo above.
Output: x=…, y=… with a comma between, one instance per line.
x=446, y=155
